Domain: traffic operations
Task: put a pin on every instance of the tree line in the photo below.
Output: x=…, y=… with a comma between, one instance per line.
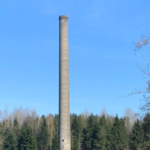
x=25, y=130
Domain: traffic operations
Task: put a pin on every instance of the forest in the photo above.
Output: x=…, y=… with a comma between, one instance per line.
x=23, y=129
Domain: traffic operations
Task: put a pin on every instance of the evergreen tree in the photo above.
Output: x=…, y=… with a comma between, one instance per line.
x=10, y=124
x=123, y=135
x=118, y=135
x=146, y=128
x=10, y=142
x=102, y=121
x=83, y=141
x=26, y=139
x=55, y=145
x=16, y=127
x=99, y=137
x=108, y=135
x=107, y=127
x=88, y=137
x=1, y=135
x=75, y=132
x=56, y=122
x=43, y=134
x=55, y=140
x=15, y=123
x=137, y=136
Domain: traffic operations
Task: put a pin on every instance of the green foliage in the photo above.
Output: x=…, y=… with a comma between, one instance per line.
x=99, y=137
x=10, y=142
x=137, y=136
x=15, y=123
x=43, y=134
x=107, y=126
x=75, y=132
x=146, y=128
x=108, y=136
x=16, y=127
x=88, y=133
x=118, y=135
x=56, y=122
x=102, y=121
x=26, y=139
x=1, y=135
x=83, y=139
x=55, y=145
x=55, y=140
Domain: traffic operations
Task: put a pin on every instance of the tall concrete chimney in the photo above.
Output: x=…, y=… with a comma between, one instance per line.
x=64, y=102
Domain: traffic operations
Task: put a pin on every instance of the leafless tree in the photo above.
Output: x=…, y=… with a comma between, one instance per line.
x=143, y=42
x=104, y=112
x=145, y=106
x=84, y=116
x=130, y=118
x=50, y=123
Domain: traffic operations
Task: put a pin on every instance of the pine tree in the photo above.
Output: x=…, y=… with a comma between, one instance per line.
x=55, y=145
x=146, y=128
x=26, y=139
x=10, y=142
x=99, y=137
x=75, y=132
x=83, y=141
x=108, y=135
x=102, y=121
x=1, y=135
x=16, y=127
x=123, y=135
x=118, y=135
x=43, y=134
x=137, y=136
x=88, y=137
x=15, y=123
x=107, y=127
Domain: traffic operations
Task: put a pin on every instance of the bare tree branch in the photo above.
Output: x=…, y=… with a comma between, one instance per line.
x=145, y=107
x=143, y=42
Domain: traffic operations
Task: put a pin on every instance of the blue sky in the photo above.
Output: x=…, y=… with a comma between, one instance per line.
x=102, y=61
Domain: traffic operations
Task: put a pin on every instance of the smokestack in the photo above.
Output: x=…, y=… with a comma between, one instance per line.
x=64, y=102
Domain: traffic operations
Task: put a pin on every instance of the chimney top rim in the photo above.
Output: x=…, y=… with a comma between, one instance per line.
x=63, y=16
